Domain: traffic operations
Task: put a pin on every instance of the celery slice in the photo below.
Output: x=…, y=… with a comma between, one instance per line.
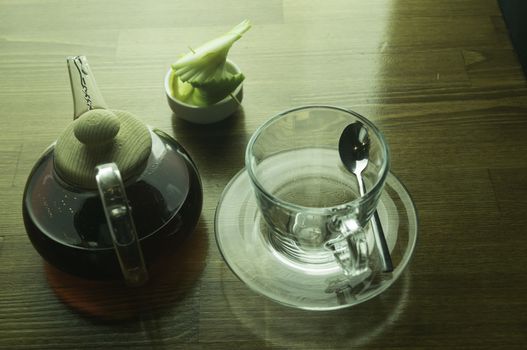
x=216, y=90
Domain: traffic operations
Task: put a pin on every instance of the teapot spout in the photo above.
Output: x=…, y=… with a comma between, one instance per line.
x=86, y=94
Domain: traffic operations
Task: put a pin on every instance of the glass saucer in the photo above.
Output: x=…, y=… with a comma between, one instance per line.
x=241, y=240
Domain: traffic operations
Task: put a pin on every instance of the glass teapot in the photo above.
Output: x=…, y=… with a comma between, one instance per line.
x=111, y=194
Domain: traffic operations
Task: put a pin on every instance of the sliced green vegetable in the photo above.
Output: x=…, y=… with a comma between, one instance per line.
x=204, y=70
x=216, y=90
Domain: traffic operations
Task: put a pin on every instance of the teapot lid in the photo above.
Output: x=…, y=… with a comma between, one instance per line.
x=101, y=136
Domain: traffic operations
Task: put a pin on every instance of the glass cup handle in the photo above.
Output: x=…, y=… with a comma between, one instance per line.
x=350, y=247
x=120, y=224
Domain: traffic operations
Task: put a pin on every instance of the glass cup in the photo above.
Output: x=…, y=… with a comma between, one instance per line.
x=314, y=213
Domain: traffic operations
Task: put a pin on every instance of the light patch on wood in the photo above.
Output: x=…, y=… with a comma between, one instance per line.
x=472, y=57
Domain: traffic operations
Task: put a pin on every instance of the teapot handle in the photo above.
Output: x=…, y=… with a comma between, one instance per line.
x=121, y=225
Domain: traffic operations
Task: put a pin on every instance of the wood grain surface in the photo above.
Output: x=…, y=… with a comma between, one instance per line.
x=439, y=77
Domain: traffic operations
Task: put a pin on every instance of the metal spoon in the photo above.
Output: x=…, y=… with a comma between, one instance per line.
x=354, y=147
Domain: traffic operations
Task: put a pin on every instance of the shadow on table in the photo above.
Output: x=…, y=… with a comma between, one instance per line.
x=171, y=279
x=216, y=147
x=287, y=327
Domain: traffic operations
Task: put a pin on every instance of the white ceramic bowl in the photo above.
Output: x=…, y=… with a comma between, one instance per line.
x=207, y=114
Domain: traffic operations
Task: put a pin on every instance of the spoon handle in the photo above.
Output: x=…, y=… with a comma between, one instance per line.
x=378, y=233
x=380, y=241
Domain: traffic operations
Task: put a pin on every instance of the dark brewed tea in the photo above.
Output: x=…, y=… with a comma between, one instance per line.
x=68, y=226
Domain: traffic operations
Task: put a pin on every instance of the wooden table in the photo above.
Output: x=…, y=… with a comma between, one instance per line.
x=439, y=77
